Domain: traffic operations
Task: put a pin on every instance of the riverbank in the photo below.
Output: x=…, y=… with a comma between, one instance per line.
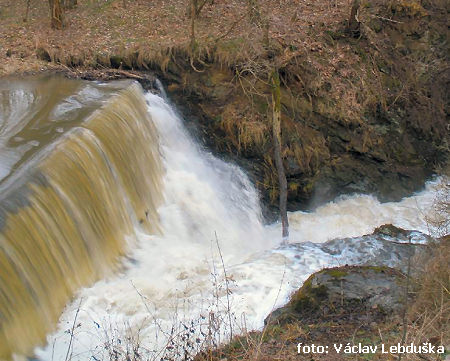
x=358, y=313
x=362, y=112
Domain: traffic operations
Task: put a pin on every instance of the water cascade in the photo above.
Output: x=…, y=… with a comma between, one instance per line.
x=82, y=167
x=81, y=170
x=175, y=278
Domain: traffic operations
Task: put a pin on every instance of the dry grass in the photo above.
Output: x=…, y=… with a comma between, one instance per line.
x=107, y=28
x=430, y=313
x=325, y=73
x=429, y=316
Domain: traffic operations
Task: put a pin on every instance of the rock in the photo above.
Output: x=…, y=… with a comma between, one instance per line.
x=344, y=292
x=395, y=232
x=367, y=292
x=386, y=246
x=329, y=157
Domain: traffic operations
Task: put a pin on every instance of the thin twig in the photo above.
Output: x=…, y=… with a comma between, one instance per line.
x=230, y=29
x=72, y=330
x=383, y=18
x=227, y=287
x=405, y=311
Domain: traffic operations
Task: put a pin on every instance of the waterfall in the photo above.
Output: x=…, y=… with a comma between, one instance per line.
x=68, y=203
x=175, y=278
x=94, y=171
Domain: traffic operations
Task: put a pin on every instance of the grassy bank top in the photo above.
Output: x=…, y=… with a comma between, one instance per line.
x=116, y=26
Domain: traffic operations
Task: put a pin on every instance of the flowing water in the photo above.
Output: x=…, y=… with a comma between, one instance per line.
x=71, y=192
x=114, y=173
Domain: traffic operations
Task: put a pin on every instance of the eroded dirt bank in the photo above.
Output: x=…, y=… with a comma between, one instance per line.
x=359, y=114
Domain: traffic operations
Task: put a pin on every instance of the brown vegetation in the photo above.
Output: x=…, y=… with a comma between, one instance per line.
x=363, y=103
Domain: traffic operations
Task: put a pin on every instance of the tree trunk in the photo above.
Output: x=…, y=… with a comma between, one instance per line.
x=353, y=22
x=276, y=129
x=193, y=16
x=198, y=7
x=254, y=12
x=25, y=19
x=266, y=39
x=70, y=4
x=56, y=14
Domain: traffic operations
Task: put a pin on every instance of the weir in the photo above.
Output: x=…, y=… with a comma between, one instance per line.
x=79, y=170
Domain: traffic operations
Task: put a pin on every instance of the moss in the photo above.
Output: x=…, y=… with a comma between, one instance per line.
x=378, y=269
x=376, y=25
x=261, y=105
x=293, y=186
x=115, y=61
x=335, y=273
x=308, y=188
x=389, y=230
x=344, y=271
x=236, y=344
x=308, y=297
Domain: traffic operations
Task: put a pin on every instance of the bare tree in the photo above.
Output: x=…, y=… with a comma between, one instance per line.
x=276, y=129
x=259, y=18
x=198, y=7
x=56, y=14
x=254, y=11
x=25, y=18
x=70, y=4
x=194, y=10
x=353, y=22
